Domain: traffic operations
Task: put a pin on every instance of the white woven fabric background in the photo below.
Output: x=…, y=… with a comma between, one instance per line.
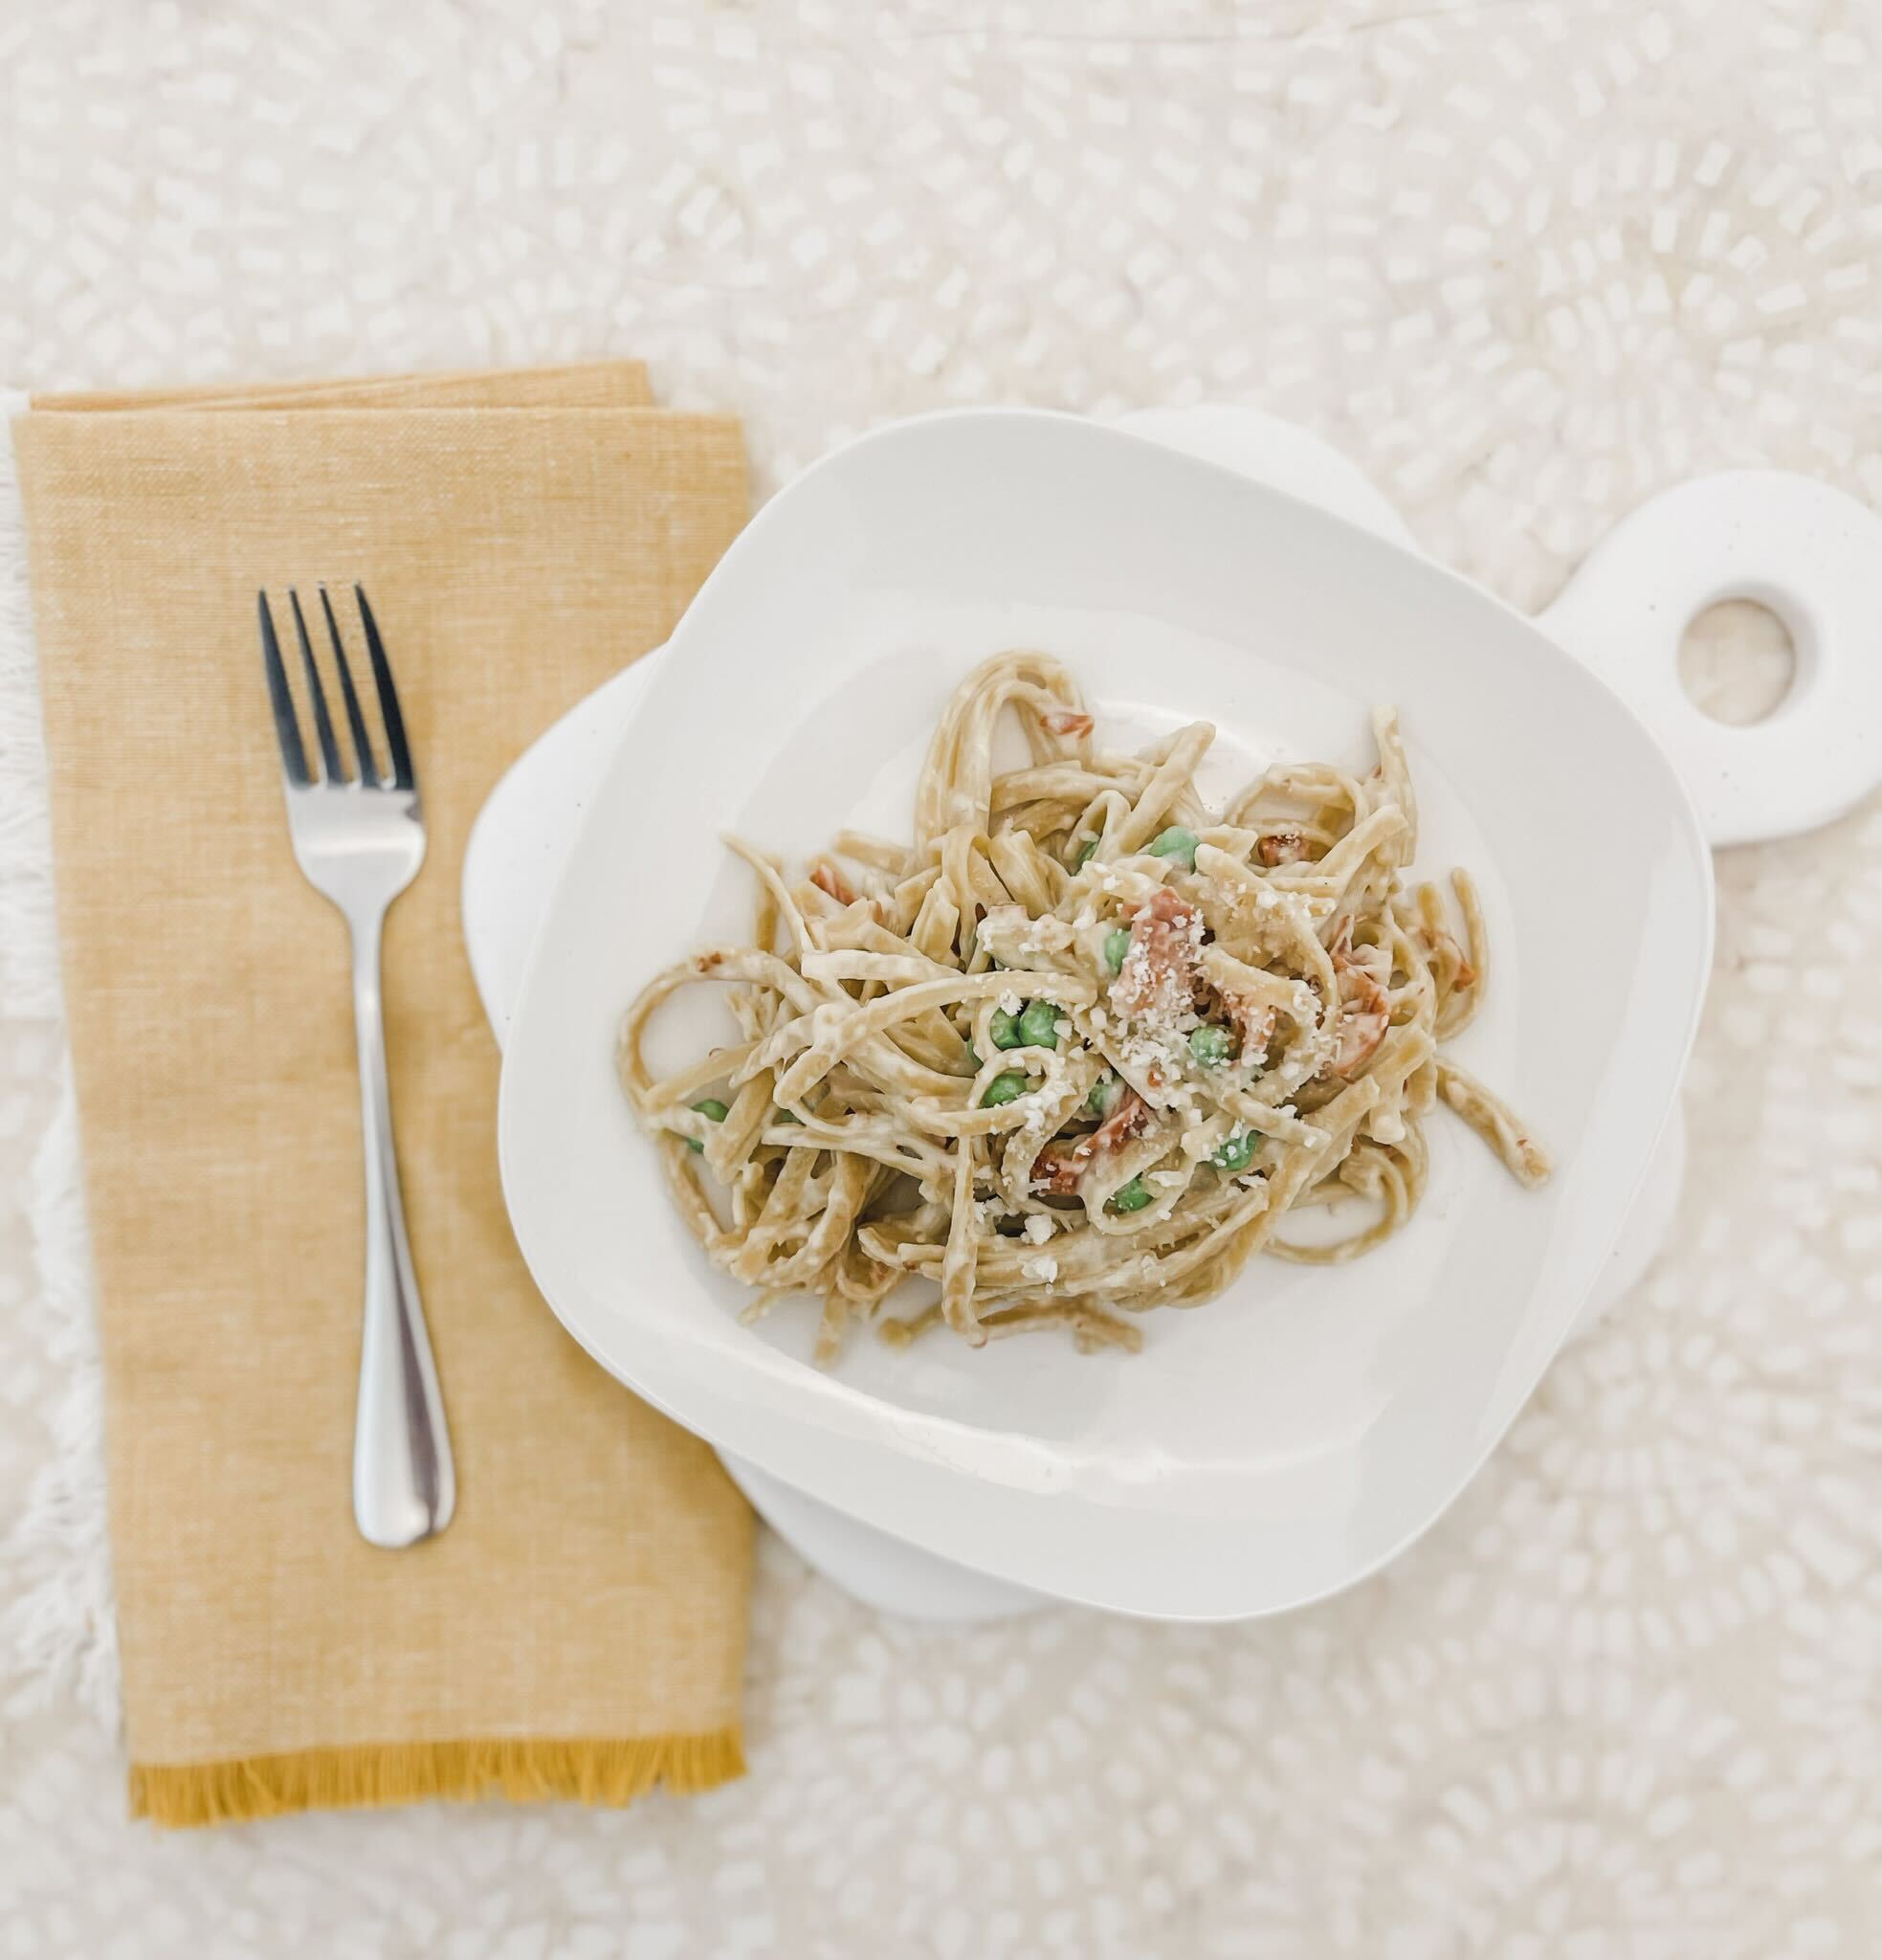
x=1525, y=261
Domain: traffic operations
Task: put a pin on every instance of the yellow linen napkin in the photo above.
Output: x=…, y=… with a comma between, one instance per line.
x=579, y=1629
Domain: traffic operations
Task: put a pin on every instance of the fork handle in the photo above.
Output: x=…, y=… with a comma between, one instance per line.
x=404, y=1483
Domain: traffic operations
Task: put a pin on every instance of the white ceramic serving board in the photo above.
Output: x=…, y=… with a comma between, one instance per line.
x=1623, y=615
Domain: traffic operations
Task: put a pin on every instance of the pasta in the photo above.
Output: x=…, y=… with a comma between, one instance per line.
x=1083, y=1046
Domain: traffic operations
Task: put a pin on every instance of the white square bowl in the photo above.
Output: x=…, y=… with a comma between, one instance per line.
x=1293, y=1435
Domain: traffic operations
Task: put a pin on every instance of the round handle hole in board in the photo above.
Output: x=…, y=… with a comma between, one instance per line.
x=1738, y=662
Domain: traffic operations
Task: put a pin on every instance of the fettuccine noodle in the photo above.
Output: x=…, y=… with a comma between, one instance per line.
x=1081, y=1047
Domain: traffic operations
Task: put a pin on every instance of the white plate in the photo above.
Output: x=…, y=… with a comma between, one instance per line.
x=1290, y=1436
x=531, y=819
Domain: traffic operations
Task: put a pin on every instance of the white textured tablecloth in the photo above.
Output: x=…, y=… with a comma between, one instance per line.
x=1525, y=262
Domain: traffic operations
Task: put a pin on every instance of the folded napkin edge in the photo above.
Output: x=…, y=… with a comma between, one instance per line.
x=400, y=389
x=522, y=1770
x=77, y=426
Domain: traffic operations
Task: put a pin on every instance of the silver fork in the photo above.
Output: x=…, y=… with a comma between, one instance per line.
x=360, y=838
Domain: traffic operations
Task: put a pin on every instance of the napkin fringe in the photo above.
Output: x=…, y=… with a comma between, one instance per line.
x=245, y=1788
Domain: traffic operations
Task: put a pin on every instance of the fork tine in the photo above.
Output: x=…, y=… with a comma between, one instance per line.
x=355, y=719
x=388, y=697
x=316, y=693
x=287, y=730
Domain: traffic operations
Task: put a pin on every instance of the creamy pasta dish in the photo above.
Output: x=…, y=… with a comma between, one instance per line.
x=1083, y=1046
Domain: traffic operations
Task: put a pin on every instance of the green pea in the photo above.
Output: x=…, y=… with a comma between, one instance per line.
x=1038, y=1025
x=1177, y=844
x=973, y=1055
x=789, y=1116
x=1235, y=1152
x=1084, y=855
x=1005, y=1029
x=1105, y=1091
x=713, y=1107
x=1130, y=1197
x=1210, y=1044
x=1006, y=1088
x=1116, y=944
